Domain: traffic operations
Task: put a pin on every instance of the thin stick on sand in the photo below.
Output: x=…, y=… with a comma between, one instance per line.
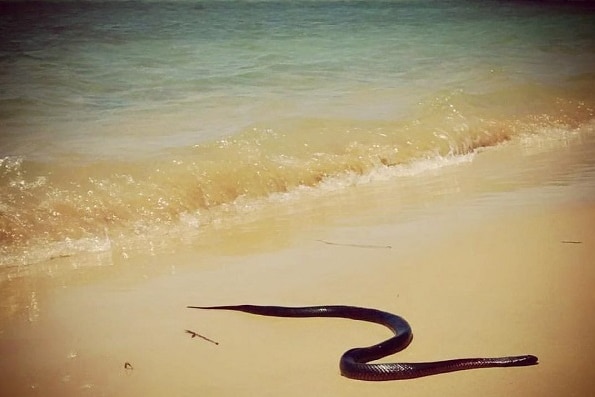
x=355, y=245
x=195, y=334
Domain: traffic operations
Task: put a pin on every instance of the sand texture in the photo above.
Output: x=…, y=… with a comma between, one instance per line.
x=505, y=273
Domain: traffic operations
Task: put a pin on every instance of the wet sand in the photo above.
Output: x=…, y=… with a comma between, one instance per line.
x=504, y=273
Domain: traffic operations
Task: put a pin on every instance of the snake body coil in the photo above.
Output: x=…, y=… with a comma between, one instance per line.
x=354, y=362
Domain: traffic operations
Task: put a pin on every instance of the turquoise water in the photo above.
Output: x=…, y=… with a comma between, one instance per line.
x=128, y=113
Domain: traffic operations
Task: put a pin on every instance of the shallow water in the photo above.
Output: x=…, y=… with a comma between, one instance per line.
x=123, y=123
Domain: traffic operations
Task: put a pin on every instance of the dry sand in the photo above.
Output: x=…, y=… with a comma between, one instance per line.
x=499, y=274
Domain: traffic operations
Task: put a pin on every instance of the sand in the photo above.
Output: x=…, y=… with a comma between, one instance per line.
x=502, y=273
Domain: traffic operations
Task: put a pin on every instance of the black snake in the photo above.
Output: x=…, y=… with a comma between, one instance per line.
x=354, y=362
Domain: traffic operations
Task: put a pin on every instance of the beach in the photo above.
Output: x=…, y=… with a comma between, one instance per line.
x=496, y=274
x=434, y=159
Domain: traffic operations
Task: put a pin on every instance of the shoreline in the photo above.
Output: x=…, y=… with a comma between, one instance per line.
x=510, y=305
x=505, y=273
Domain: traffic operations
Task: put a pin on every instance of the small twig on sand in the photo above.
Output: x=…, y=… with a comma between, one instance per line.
x=354, y=245
x=60, y=256
x=194, y=335
x=571, y=242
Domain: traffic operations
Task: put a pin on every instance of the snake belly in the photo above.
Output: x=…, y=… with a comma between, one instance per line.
x=354, y=363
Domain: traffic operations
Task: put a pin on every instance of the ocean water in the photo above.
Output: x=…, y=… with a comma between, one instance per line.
x=128, y=121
